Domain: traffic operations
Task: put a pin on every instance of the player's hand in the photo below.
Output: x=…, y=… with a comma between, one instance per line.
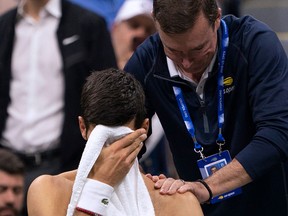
x=115, y=160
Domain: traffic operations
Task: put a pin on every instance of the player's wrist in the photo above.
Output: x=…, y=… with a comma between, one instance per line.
x=87, y=212
x=97, y=191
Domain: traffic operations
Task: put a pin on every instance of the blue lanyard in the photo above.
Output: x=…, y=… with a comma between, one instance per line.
x=183, y=107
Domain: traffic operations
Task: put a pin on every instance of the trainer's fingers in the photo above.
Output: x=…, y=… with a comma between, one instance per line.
x=175, y=186
x=159, y=184
x=148, y=175
x=165, y=184
x=162, y=176
x=184, y=188
x=155, y=178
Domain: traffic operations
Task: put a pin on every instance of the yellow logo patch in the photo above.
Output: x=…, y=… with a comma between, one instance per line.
x=221, y=197
x=228, y=81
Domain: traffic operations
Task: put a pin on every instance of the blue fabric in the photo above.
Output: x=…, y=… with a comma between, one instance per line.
x=106, y=8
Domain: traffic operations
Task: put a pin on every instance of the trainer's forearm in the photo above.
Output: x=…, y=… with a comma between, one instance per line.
x=232, y=176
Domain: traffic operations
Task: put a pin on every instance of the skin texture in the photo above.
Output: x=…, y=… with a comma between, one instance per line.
x=11, y=194
x=192, y=52
x=45, y=198
x=33, y=7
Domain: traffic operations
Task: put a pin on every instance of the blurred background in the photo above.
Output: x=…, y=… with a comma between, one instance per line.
x=272, y=12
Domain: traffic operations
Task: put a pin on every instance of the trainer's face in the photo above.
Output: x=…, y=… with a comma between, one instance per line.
x=11, y=194
x=193, y=50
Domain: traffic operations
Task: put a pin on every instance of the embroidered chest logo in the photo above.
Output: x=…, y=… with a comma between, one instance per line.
x=228, y=85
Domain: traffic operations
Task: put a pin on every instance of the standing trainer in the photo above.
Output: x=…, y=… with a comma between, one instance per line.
x=219, y=88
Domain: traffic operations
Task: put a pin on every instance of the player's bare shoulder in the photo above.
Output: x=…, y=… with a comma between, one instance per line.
x=49, y=194
x=176, y=204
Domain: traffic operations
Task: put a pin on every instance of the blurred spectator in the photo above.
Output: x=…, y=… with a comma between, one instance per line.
x=133, y=24
x=46, y=50
x=107, y=8
x=7, y=5
x=11, y=184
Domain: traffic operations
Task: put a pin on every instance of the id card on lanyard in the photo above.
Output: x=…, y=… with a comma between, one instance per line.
x=208, y=165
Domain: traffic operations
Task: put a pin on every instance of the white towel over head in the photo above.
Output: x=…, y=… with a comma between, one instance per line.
x=130, y=197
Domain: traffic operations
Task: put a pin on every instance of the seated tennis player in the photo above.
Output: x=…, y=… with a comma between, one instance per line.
x=113, y=123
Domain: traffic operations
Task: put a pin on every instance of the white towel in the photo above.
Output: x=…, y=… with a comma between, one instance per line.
x=130, y=197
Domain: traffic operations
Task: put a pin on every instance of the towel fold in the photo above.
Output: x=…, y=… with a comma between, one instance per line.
x=130, y=197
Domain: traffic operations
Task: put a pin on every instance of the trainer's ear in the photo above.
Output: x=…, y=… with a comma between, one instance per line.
x=218, y=20
x=82, y=127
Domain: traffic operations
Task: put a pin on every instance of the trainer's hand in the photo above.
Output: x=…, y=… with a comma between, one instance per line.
x=197, y=189
x=115, y=160
x=155, y=178
x=169, y=186
x=166, y=185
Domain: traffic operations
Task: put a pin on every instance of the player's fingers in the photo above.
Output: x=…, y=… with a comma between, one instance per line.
x=133, y=154
x=134, y=139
